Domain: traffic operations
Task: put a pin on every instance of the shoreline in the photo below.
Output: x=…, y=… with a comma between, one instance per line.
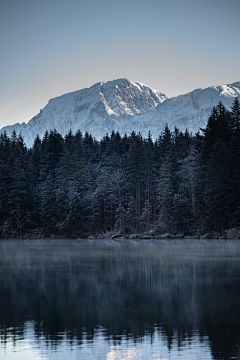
x=233, y=233
x=119, y=238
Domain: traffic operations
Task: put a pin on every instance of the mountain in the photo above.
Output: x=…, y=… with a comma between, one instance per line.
x=125, y=106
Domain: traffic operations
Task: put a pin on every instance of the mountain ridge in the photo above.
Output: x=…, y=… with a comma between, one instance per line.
x=125, y=106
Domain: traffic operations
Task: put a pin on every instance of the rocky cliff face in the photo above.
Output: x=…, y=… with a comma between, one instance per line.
x=125, y=106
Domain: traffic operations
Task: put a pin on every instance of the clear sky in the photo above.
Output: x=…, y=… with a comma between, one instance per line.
x=52, y=47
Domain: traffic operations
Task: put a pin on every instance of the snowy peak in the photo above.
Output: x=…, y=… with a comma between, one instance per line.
x=119, y=97
x=125, y=106
x=199, y=103
x=124, y=97
x=235, y=88
x=210, y=94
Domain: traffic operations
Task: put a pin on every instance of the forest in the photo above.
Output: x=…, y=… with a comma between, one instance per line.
x=76, y=186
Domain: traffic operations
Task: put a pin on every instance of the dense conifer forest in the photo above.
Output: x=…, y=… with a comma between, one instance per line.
x=76, y=186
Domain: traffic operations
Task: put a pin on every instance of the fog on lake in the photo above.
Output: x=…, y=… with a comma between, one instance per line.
x=123, y=299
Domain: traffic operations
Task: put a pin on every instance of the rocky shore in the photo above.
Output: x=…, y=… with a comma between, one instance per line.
x=233, y=233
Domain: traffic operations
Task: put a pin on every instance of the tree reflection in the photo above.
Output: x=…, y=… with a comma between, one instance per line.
x=128, y=288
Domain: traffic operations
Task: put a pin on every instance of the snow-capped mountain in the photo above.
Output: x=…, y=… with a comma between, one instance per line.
x=125, y=106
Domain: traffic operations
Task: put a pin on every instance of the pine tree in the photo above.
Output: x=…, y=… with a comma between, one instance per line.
x=145, y=217
x=235, y=115
x=135, y=169
x=165, y=194
x=48, y=204
x=130, y=215
x=120, y=219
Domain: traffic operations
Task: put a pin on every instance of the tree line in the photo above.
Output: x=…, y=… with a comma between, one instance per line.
x=74, y=186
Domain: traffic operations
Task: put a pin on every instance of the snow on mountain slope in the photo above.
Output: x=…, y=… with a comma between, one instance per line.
x=125, y=106
x=192, y=110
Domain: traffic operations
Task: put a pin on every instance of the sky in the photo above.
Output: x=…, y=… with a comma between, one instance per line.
x=52, y=47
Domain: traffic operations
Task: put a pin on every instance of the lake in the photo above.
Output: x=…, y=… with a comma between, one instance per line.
x=123, y=299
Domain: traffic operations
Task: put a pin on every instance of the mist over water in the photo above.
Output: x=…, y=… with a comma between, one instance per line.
x=104, y=299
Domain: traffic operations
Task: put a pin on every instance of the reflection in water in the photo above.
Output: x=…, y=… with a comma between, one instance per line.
x=151, y=347
x=120, y=299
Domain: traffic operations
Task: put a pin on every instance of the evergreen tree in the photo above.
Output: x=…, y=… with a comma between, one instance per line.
x=48, y=204
x=165, y=194
x=145, y=217
x=130, y=215
x=120, y=218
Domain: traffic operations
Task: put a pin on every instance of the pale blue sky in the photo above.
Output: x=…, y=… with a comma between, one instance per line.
x=51, y=47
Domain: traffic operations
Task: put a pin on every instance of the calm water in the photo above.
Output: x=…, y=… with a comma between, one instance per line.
x=165, y=300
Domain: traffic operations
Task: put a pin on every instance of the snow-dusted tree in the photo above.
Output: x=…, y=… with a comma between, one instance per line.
x=105, y=198
x=145, y=217
x=235, y=115
x=47, y=204
x=184, y=199
x=120, y=219
x=110, y=186
x=19, y=195
x=71, y=224
x=165, y=193
x=135, y=169
x=217, y=196
x=5, y=156
x=130, y=215
x=93, y=213
x=187, y=174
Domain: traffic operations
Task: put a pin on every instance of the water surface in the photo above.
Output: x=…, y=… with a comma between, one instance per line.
x=103, y=299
